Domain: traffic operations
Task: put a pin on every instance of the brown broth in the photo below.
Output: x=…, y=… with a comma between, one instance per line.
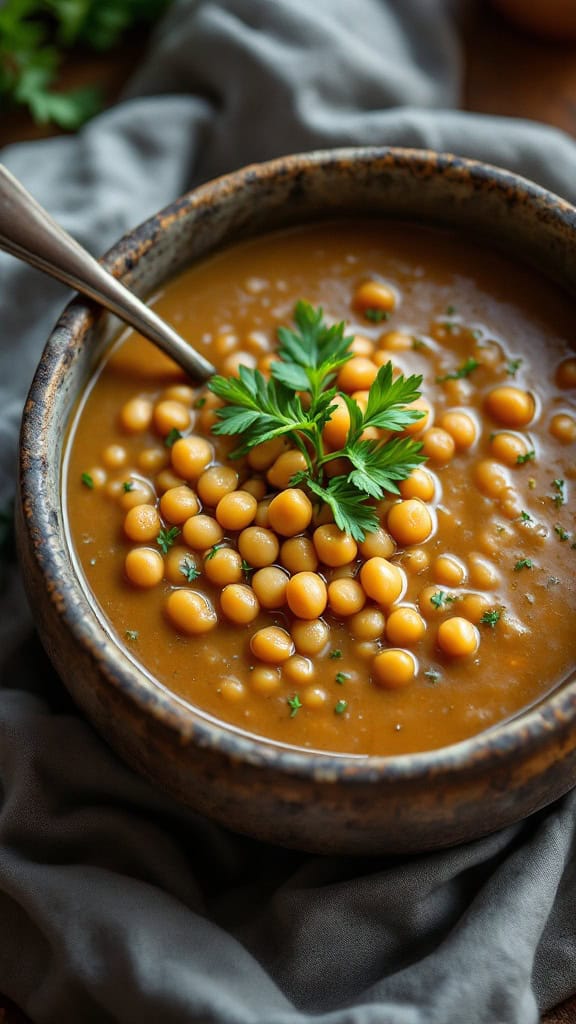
x=253, y=286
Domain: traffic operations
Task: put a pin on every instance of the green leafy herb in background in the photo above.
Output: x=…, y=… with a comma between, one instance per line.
x=37, y=35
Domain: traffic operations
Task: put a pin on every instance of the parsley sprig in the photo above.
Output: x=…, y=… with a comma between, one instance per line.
x=297, y=403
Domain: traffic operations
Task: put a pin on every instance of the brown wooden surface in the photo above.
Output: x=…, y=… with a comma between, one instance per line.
x=508, y=72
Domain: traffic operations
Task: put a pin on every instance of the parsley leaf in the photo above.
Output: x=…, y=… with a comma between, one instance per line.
x=376, y=316
x=491, y=617
x=440, y=599
x=341, y=677
x=87, y=481
x=340, y=707
x=512, y=366
x=166, y=538
x=189, y=569
x=562, y=533
x=560, y=497
x=335, y=654
x=128, y=486
x=465, y=370
x=172, y=436
x=521, y=460
x=523, y=563
x=294, y=703
x=132, y=634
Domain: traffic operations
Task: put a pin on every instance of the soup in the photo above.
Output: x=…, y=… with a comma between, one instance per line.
x=423, y=615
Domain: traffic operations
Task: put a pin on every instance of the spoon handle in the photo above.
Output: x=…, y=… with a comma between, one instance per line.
x=28, y=232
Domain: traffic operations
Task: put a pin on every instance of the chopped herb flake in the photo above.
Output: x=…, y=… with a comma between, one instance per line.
x=294, y=703
x=200, y=402
x=166, y=538
x=189, y=569
x=450, y=310
x=335, y=654
x=528, y=457
x=523, y=563
x=132, y=634
x=341, y=677
x=440, y=599
x=128, y=486
x=214, y=549
x=465, y=370
x=512, y=366
x=491, y=617
x=560, y=497
x=562, y=533
x=418, y=343
x=525, y=517
x=171, y=438
x=340, y=707
x=87, y=481
x=376, y=315
x=432, y=674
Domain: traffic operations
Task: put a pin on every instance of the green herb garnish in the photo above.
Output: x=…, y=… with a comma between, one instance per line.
x=294, y=703
x=528, y=457
x=132, y=634
x=166, y=538
x=491, y=617
x=560, y=497
x=432, y=674
x=341, y=677
x=128, y=486
x=173, y=436
x=440, y=599
x=562, y=533
x=512, y=366
x=215, y=547
x=340, y=707
x=309, y=359
x=523, y=563
x=418, y=343
x=525, y=517
x=376, y=315
x=200, y=402
x=189, y=569
x=87, y=481
x=450, y=310
x=465, y=370
x=335, y=654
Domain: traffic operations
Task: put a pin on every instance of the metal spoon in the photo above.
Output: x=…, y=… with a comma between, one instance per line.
x=28, y=232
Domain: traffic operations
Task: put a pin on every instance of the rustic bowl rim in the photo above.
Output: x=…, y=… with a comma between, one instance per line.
x=523, y=735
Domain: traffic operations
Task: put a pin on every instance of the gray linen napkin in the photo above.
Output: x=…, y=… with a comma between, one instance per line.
x=116, y=904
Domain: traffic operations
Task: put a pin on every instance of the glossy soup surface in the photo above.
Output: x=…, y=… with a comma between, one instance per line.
x=501, y=554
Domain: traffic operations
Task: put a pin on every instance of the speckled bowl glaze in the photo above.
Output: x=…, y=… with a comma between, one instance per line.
x=315, y=802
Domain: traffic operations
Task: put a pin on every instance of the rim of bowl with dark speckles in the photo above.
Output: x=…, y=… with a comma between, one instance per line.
x=517, y=216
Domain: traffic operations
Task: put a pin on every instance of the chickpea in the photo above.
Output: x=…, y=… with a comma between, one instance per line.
x=166, y=480
x=236, y=510
x=114, y=489
x=178, y=563
x=290, y=512
x=257, y=343
x=512, y=407
x=177, y=504
x=232, y=690
x=239, y=603
x=190, y=456
x=231, y=363
x=261, y=518
x=152, y=460
x=298, y=554
x=448, y=571
x=298, y=669
x=256, y=487
x=179, y=393
x=405, y=627
x=358, y=373
x=382, y=581
x=346, y=597
x=410, y=522
x=136, y=415
x=114, y=456
x=225, y=343
x=394, y=669
x=310, y=636
x=362, y=346
x=510, y=503
x=566, y=373
x=461, y=427
x=490, y=477
x=367, y=625
x=170, y=415
x=335, y=432
x=420, y=405
x=142, y=523
x=258, y=546
x=306, y=595
x=395, y=341
x=458, y=637
x=438, y=445
x=378, y=542
x=139, y=494
x=563, y=428
x=215, y=482
x=285, y=467
x=374, y=295
x=365, y=649
x=483, y=574
x=190, y=612
x=508, y=448
x=333, y=546
x=222, y=566
x=420, y=484
x=415, y=561
x=144, y=567
x=201, y=532
x=473, y=606
x=434, y=601
x=269, y=585
x=272, y=644
x=264, y=455
x=314, y=698
x=265, y=680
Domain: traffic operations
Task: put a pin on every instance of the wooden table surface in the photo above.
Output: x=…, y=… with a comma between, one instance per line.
x=508, y=72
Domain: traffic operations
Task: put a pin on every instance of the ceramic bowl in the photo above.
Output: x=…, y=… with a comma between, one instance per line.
x=316, y=802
